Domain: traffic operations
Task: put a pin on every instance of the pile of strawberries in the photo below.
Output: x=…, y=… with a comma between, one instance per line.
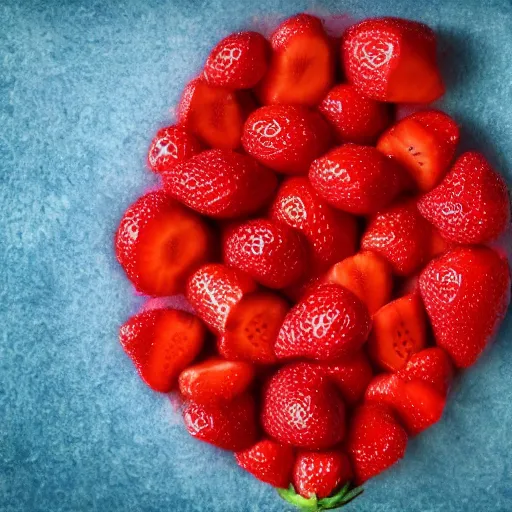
x=335, y=258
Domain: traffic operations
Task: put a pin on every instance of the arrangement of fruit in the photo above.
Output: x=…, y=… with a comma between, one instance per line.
x=337, y=258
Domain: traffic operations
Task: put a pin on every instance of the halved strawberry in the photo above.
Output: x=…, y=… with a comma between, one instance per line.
x=252, y=327
x=214, y=289
x=399, y=330
x=302, y=65
x=424, y=143
x=215, y=380
x=213, y=114
x=161, y=343
x=367, y=275
x=392, y=59
x=159, y=243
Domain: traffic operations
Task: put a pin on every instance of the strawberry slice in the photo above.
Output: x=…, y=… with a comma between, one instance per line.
x=159, y=243
x=215, y=380
x=399, y=330
x=213, y=114
x=252, y=327
x=424, y=143
x=161, y=343
x=214, y=289
x=392, y=59
x=302, y=65
x=367, y=275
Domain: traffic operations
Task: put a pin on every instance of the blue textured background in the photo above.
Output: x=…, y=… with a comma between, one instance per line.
x=83, y=87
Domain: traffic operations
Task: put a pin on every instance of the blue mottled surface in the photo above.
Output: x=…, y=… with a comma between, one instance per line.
x=83, y=86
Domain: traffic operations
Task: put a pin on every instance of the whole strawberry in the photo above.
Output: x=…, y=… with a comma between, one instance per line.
x=329, y=323
x=471, y=205
x=302, y=407
x=466, y=293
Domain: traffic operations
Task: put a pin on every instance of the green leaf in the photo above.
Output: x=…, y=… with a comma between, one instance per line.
x=306, y=505
x=335, y=499
x=354, y=493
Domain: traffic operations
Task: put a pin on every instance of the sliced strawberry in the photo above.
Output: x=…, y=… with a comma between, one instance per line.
x=170, y=146
x=424, y=143
x=213, y=114
x=239, y=61
x=229, y=425
x=367, y=275
x=302, y=65
x=159, y=243
x=161, y=343
x=269, y=462
x=286, y=138
x=215, y=380
x=214, y=289
x=392, y=59
x=252, y=327
x=399, y=330
x=221, y=183
x=354, y=117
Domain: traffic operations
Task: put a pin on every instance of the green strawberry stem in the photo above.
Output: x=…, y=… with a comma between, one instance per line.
x=313, y=504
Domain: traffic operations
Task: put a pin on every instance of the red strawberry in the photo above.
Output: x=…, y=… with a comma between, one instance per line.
x=375, y=441
x=350, y=374
x=305, y=286
x=356, y=179
x=170, y=146
x=331, y=234
x=214, y=289
x=466, y=294
x=320, y=473
x=286, y=138
x=269, y=462
x=252, y=327
x=392, y=59
x=159, y=243
x=301, y=407
x=401, y=235
x=471, y=205
x=367, y=275
x=272, y=253
x=161, y=343
x=399, y=330
x=327, y=324
x=354, y=117
x=239, y=61
x=215, y=115
x=230, y=425
x=424, y=143
x=215, y=380
x=302, y=65
x=221, y=183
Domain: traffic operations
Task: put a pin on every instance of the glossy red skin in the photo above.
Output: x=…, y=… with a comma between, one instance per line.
x=286, y=138
x=272, y=253
x=351, y=375
x=161, y=343
x=221, y=184
x=214, y=289
x=392, y=59
x=471, y=205
x=329, y=323
x=215, y=380
x=268, y=461
x=299, y=24
x=466, y=293
x=375, y=441
x=170, y=146
x=231, y=425
x=356, y=179
x=400, y=235
x=320, y=473
x=303, y=408
x=354, y=117
x=332, y=235
x=238, y=61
